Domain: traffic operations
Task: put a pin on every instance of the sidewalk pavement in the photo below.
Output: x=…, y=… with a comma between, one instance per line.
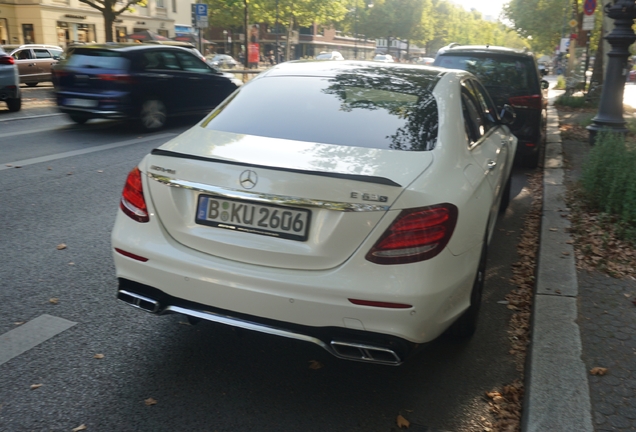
x=580, y=320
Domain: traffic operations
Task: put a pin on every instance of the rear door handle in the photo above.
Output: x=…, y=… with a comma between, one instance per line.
x=491, y=164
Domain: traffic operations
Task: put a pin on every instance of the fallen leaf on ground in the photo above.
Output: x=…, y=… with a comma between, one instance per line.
x=71, y=263
x=150, y=401
x=35, y=386
x=314, y=364
x=598, y=371
x=79, y=428
x=61, y=246
x=554, y=229
x=19, y=323
x=402, y=422
x=98, y=356
x=100, y=171
x=54, y=300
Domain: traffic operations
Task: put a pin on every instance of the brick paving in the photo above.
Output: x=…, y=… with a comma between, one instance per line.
x=607, y=322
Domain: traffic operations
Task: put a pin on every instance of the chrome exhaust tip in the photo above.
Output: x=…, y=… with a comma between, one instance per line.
x=365, y=353
x=139, y=301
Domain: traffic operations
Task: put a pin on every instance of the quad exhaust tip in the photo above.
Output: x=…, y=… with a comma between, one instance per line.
x=341, y=349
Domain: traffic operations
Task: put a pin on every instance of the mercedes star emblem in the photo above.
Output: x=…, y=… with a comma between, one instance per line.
x=248, y=179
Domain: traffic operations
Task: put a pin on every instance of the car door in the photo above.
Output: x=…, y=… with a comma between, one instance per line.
x=27, y=67
x=486, y=145
x=43, y=60
x=160, y=78
x=207, y=88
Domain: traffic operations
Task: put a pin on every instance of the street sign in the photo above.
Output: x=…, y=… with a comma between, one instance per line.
x=573, y=23
x=202, y=22
x=201, y=10
x=589, y=7
x=588, y=23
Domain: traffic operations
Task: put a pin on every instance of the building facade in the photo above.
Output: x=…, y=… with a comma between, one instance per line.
x=63, y=22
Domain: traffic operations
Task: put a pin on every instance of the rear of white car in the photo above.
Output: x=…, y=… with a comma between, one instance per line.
x=347, y=246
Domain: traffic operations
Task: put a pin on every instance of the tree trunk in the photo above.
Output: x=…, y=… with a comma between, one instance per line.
x=594, y=93
x=109, y=19
x=290, y=29
x=247, y=35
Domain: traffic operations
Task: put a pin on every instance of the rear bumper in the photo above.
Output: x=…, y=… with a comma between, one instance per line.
x=114, y=114
x=347, y=344
x=116, y=105
x=9, y=92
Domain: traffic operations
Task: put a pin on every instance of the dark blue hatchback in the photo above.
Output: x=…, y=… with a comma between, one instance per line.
x=133, y=81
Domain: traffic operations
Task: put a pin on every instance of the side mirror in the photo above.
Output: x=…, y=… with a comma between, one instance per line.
x=507, y=115
x=545, y=85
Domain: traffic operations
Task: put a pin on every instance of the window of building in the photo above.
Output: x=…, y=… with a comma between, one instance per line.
x=160, y=4
x=4, y=31
x=28, y=33
x=120, y=34
x=174, y=6
x=306, y=31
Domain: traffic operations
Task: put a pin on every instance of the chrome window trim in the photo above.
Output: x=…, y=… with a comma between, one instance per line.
x=283, y=200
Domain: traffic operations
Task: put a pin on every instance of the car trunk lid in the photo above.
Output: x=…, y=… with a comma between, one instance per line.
x=275, y=202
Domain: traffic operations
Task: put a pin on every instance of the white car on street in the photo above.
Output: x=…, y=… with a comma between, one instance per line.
x=360, y=223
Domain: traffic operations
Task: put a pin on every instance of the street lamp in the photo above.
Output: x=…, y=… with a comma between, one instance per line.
x=355, y=29
x=225, y=41
x=277, y=58
x=610, y=110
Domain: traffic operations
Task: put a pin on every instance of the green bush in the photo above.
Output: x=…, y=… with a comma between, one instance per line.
x=609, y=181
x=571, y=101
x=561, y=83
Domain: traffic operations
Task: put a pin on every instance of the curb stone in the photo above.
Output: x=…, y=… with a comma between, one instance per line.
x=557, y=389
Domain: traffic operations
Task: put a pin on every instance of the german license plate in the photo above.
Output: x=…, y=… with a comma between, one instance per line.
x=264, y=219
x=84, y=103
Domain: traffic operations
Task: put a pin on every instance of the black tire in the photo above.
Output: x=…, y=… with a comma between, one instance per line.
x=14, y=104
x=505, y=198
x=153, y=115
x=31, y=84
x=79, y=119
x=466, y=324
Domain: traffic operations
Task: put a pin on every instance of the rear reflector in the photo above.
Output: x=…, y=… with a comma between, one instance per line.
x=380, y=304
x=117, y=78
x=132, y=202
x=6, y=60
x=530, y=145
x=531, y=102
x=131, y=255
x=415, y=235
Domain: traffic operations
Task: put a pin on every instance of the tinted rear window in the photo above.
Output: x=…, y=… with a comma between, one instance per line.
x=98, y=59
x=510, y=75
x=377, y=110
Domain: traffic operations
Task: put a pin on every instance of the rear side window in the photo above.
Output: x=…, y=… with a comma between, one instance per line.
x=374, y=110
x=512, y=75
x=97, y=59
x=41, y=53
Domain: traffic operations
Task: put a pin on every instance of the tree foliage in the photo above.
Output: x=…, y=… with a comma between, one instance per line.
x=110, y=12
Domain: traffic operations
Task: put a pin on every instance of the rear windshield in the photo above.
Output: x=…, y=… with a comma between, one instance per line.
x=97, y=59
x=377, y=110
x=500, y=74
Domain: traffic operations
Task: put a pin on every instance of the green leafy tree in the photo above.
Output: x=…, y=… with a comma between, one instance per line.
x=110, y=11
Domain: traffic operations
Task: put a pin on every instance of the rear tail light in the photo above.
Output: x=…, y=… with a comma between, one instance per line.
x=532, y=101
x=116, y=78
x=416, y=235
x=132, y=198
x=6, y=60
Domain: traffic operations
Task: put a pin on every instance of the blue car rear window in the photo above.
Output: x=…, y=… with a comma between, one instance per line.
x=97, y=59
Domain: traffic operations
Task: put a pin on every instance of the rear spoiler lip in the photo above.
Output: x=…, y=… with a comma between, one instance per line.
x=355, y=177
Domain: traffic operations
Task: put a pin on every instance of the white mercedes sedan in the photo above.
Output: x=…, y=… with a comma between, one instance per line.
x=349, y=204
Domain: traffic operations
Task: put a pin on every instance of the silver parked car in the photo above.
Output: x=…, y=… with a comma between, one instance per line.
x=9, y=82
x=35, y=61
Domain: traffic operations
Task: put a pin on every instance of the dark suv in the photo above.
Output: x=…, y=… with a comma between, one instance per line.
x=137, y=81
x=511, y=77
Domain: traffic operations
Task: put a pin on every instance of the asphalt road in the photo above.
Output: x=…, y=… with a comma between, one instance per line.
x=60, y=185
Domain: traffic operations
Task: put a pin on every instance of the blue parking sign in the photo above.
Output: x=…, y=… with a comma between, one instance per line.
x=201, y=10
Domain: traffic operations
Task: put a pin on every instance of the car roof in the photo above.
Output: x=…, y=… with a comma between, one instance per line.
x=38, y=46
x=171, y=43
x=129, y=47
x=456, y=49
x=331, y=69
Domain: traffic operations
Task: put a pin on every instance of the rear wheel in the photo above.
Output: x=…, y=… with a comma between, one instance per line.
x=153, y=115
x=466, y=325
x=14, y=104
x=78, y=118
x=31, y=84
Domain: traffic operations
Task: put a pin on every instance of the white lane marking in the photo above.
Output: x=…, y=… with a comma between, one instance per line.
x=29, y=335
x=49, y=158
x=33, y=131
x=30, y=117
